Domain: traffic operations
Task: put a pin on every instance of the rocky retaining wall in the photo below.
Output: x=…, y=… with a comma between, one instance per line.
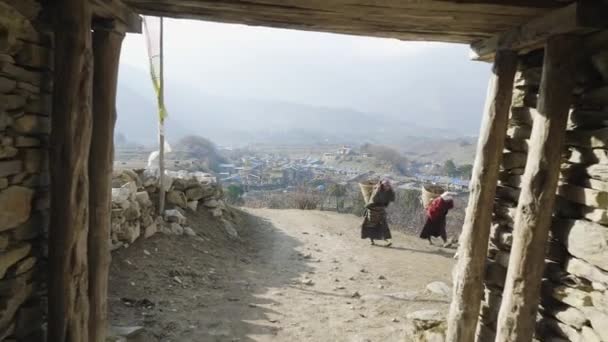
x=135, y=199
x=25, y=105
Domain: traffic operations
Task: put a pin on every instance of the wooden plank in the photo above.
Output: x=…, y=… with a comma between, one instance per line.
x=468, y=289
x=120, y=16
x=581, y=17
x=106, y=49
x=522, y=288
x=68, y=304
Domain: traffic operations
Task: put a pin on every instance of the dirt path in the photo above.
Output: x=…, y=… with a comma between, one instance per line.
x=294, y=276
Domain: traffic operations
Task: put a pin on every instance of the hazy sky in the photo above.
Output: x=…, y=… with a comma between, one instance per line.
x=367, y=74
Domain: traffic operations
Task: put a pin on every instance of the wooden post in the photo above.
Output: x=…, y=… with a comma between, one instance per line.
x=161, y=124
x=70, y=140
x=468, y=284
x=516, y=320
x=106, y=50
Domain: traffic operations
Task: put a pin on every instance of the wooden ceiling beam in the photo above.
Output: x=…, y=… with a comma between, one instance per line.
x=513, y=3
x=582, y=17
x=115, y=15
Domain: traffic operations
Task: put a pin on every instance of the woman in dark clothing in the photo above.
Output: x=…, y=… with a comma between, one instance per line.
x=436, y=217
x=375, y=225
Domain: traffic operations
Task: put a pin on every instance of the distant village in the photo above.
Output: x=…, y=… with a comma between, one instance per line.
x=268, y=171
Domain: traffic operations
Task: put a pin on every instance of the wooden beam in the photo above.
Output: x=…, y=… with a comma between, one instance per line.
x=68, y=302
x=121, y=17
x=468, y=284
x=582, y=17
x=106, y=50
x=517, y=315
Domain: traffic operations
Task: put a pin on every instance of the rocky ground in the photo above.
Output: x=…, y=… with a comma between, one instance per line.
x=290, y=276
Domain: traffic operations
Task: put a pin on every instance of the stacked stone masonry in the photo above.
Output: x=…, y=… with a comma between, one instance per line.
x=135, y=195
x=574, y=301
x=25, y=105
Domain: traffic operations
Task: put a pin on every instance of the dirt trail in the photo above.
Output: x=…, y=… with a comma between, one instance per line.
x=293, y=276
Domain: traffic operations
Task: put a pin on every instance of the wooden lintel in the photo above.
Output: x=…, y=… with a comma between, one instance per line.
x=582, y=17
x=115, y=15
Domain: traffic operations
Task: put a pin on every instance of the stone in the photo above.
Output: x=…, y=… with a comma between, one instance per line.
x=143, y=198
x=564, y=313
x=132, y=213
x=573, y=297
x=193, y=205
x=31, y=124
x=585, y=270
x=189, y=231
x=217, y=212
x=35, y=160
x=11, y=167
x=21, y=74
x=3, y=183
x=426, y=319
x=439, y=288
x=5, y=120
x=34, y=56
x=150, y=230
x=23, y=141
x=12, y=102
x=12, y=256
x=590, y=335
x=120, y=195
x=15, y=206
x=28, y=87
x=25, y=265
x=7, y=85
x=7, y=151
x=174, y=228
x=32, y=228
x=175, y=215
x=124, y=331
x=129, y=232
x=585, y=240
x=230, y=230
x=599, y=321
x=584, y=196
x=177, y=198
x=211, y=203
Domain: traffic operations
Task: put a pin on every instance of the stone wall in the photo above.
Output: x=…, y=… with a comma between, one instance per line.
x=135, y=199
x=574, y=303
x=25, y=96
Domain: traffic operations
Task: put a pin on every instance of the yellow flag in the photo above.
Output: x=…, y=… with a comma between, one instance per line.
x=153, y=34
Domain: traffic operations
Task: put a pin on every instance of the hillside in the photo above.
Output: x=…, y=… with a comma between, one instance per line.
x=461, y=150
x=239, y=121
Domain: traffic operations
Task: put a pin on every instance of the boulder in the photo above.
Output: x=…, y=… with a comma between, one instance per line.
x=177, y=198
x=143, y=198
x=585, y=240
x=189, y=231
x=120, y=196
x=193, y=205
x=133, y=212
x=15, y=206
x=211, y=203
x=173, y=228
x=175, y=215
x=151, y=229
x=217, y=212
x=128, y=232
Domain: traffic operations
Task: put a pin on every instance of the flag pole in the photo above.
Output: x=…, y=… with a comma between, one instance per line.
x=161, y=124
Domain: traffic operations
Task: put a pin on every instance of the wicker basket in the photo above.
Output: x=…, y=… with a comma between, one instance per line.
x=429, y=193
x=366, y=189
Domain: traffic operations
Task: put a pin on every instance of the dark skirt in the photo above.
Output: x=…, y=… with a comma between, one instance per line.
x=374, y=225
x=434, y=228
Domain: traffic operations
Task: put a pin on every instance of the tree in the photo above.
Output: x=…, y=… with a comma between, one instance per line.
x=465, y=171
x=449, y=168
x=338, y=191
x=202, y=149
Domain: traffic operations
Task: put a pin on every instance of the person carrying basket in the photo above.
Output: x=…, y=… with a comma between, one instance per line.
x=375, y=224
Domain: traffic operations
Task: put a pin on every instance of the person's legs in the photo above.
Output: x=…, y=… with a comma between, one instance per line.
x=372, y=241
x=430, y=241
